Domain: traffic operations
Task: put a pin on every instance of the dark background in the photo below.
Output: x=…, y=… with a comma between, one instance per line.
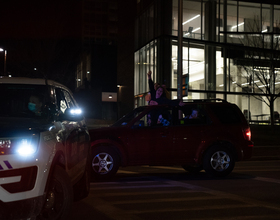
x=46, y=39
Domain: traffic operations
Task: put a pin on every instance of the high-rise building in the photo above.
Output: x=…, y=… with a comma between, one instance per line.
x=209, y=49
x=104, y=76
x=96, y=75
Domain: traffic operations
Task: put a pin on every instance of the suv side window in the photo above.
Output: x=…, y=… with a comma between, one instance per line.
x=226, y=114
x=192, y=114
x=64, y=99
x=156, y=117
x=160, y=117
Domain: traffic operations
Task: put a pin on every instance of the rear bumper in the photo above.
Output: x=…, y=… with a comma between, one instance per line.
x=22, y=209
x=248, y=151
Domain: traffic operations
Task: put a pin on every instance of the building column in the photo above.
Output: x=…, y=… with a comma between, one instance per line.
x=238, y=99
x=164, y=64
x=210, y=51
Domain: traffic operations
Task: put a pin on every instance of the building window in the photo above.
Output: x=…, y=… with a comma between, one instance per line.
x=193, y=19
x=221, y=69
x=145, y=60
x=193, y=65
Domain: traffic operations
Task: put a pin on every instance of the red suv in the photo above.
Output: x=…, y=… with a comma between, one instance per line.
x=200, y=135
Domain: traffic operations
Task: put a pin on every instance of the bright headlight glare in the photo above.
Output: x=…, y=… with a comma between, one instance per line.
x=76, y=111
x=26, y=147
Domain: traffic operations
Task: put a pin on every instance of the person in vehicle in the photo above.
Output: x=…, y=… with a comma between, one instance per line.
x=158, y=96
x=153, y=87
x=193, y=115
x=35, y=105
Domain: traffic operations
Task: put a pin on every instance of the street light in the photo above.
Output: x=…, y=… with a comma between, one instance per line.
x=5, y=59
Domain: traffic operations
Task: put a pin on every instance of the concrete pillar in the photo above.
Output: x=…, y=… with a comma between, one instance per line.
x=238, y=88
x=210, y=51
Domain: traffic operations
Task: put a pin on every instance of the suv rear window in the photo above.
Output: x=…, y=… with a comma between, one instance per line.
x=226, y=114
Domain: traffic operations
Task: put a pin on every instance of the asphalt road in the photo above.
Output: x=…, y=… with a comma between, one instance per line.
x=251, y=191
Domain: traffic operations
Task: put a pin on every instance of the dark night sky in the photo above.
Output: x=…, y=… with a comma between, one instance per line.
x=43, y=19
x=41, y=34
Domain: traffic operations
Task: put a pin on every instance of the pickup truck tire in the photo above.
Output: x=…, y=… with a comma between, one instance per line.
x=59, y=196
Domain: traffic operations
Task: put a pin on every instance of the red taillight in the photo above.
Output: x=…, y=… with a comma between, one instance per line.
x=247, y=134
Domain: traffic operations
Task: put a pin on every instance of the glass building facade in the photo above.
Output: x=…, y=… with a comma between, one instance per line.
x=230, y=50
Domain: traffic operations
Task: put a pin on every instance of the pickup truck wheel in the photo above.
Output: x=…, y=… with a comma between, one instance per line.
x=218, y=161
x=105, y=162
x=59, y=196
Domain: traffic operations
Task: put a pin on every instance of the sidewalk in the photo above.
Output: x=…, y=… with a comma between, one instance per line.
x=266, y=142
x=266, y=153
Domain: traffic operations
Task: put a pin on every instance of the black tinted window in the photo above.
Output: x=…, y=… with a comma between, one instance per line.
x=64, y=100
x=129, y=117
x=226, y=114
x=22, y=100
x=192, y=115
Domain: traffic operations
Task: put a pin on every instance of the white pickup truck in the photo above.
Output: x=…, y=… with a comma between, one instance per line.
x=44, y=150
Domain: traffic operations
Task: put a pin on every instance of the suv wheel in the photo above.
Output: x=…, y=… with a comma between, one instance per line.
x=105, y=162
x=218, y=161
x=59, y=197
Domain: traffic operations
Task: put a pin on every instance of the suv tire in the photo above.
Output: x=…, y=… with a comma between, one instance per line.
x=59, y=196
x=218, y=161
x=105, y=162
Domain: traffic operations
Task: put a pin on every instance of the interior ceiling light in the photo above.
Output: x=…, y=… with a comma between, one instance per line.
x=238, y=25
x=191, y=19
x=193, y=31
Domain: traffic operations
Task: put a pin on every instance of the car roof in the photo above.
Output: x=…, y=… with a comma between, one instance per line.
x=28, y=81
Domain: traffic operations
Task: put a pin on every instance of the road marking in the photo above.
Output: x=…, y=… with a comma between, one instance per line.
x=126, y=172
x=115, y=209
x=221, y=194
x=271, y=180
x=210, y=207
x=133, y=187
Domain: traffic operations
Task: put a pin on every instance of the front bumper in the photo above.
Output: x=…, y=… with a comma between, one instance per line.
x=27, y=178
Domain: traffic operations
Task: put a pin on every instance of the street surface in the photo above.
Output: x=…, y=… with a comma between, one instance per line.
x=252, y=191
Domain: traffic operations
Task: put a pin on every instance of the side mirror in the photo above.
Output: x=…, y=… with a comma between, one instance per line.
x=72, y=114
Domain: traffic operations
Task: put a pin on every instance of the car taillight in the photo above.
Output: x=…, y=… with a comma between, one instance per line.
x=247, y=134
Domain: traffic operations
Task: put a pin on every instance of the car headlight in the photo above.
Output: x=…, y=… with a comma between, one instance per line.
x=26, y=147
x=22, y=146
x=76, y=111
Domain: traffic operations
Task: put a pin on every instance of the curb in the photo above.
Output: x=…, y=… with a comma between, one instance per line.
x=266, y=153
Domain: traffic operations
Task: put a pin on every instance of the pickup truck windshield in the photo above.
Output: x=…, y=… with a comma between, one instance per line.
x=22, y=100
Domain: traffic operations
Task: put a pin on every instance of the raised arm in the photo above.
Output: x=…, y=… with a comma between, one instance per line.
x=151, y=83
